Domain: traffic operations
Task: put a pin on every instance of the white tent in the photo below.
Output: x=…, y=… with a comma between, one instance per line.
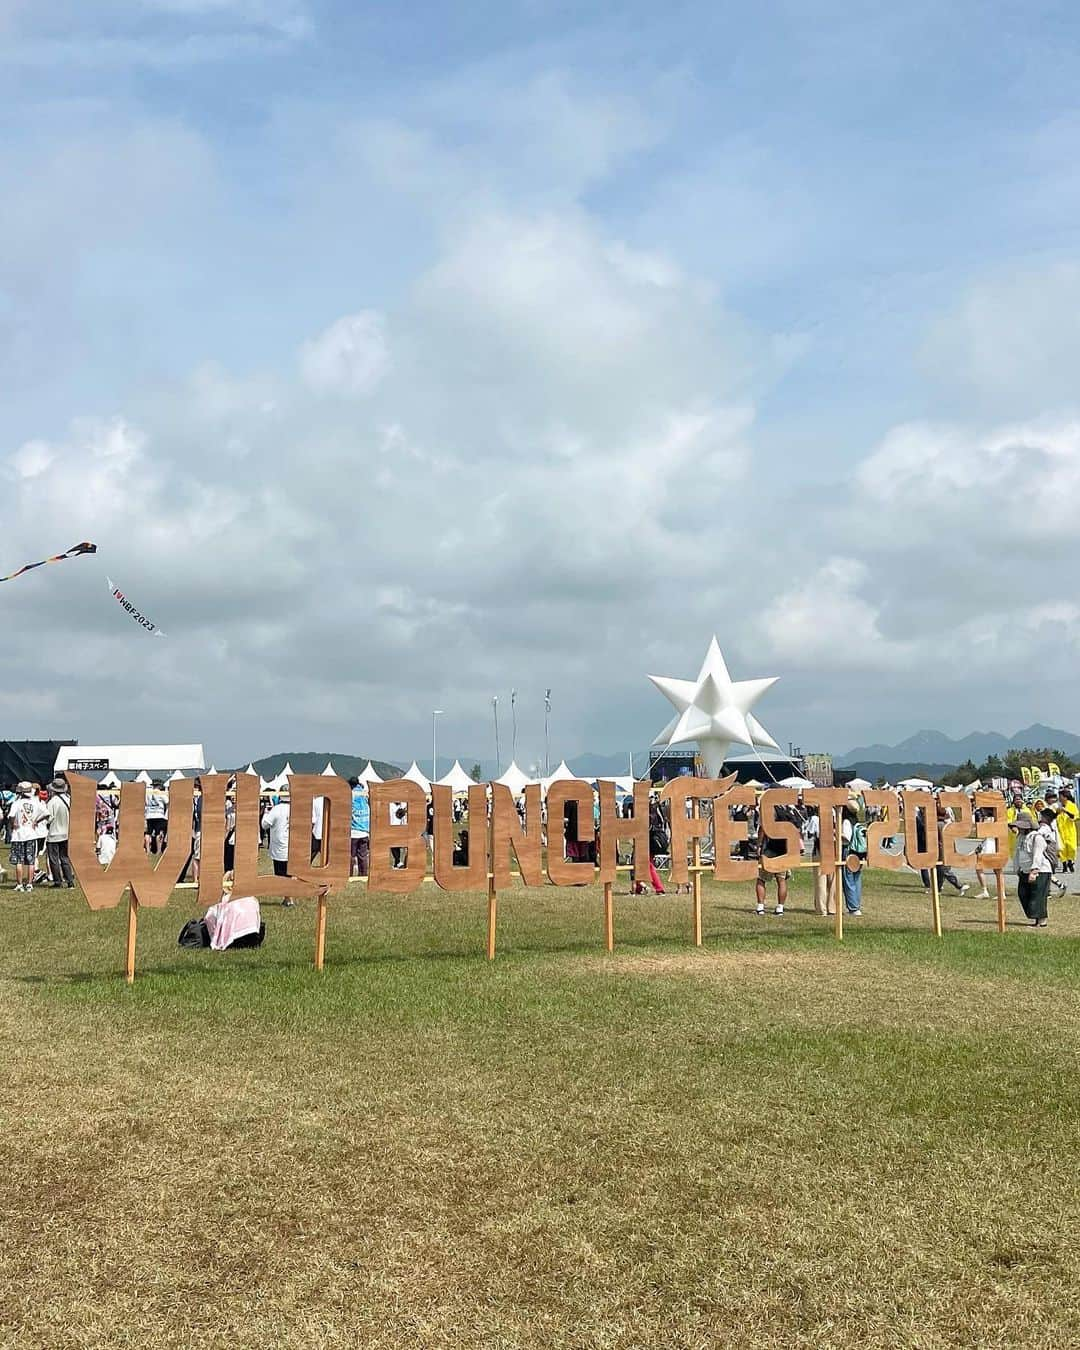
x=515, y=780
x=176, y=777
x=562, y=774
x=252, y=770
x=281, y=780
x=212, y=769
x=457, y=779
x=128, y=757
x=330, y=771
x=110, y=780
x=915, y=784
x=795, y=782
x=859, y=785
x=143, y=777
x=414, y=775
x=369, y=775
x=264, y=784
x=623, y=782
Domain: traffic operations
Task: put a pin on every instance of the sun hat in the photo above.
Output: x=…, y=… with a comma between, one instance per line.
x=24, y=789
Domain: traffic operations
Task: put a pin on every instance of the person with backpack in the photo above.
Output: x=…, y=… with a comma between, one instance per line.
x=853, y=845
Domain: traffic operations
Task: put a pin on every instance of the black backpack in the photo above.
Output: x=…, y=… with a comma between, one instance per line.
x=194, y=934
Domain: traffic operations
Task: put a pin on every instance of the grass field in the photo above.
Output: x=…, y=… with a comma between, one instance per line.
x=773, y=1140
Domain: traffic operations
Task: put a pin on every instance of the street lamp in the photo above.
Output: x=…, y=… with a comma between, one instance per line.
x=436, y=712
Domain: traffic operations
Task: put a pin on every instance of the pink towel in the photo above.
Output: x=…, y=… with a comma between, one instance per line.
x=232, y=918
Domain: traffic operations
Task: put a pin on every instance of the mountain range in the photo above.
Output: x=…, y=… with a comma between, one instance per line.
x=934, y=747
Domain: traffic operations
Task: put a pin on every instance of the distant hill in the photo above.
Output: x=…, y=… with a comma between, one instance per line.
x=872, y=770
x=934, y=747
x=314, y=761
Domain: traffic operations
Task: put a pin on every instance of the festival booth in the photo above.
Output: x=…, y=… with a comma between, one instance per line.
x=457, y=780
x=368, y=775
x=515, y=780
x=413, y=774
x=100, y=759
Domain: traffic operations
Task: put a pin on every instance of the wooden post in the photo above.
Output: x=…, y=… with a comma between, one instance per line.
x=320, y=903
x=695, y=874
x=999, y=877
x=132, y=930
x=935, y=901
x=609, y=917
x=838, y=901
x=493, y=907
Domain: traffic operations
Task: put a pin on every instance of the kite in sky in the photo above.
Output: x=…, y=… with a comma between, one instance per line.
x=72, y=552
x=139, y=618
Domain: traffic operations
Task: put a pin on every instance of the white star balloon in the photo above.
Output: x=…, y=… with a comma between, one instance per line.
x=714, y=710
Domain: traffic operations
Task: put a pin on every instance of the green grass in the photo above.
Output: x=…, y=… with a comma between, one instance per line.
x=773, y=1140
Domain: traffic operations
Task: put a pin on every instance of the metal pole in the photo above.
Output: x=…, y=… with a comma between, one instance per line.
x=513, y=721
x=547, y=731
x=436, y=712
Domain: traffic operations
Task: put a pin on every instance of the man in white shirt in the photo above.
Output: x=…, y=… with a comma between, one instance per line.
x=26, y=813
x=1034, y=863
x=275, y=822
x=157, y=817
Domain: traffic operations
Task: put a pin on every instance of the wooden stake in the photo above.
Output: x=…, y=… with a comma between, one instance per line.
x=320, y=903
x=320, y=931
x=695, y=874
x=493, y=908
x=132, y=930
x=999, y=877
x=935, y=901
x=609, y=917
x=838, y=901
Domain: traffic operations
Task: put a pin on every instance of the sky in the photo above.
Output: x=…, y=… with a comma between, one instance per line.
x=400, y=355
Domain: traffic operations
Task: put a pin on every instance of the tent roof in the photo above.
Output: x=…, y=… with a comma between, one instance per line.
x=251, y=769
x=128, y=757
x=143, y=777
x=175, y=777
x=514, y=779
x=330, y=771
x=414, y=775
x=110, y=780
x=369, y=775
x=562, y=774
x=915, y=783
x=623, y=782
x=858, y=784
x=795, y=781
x=457, y=779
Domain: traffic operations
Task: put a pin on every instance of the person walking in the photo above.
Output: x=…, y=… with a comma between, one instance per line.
x=1033, y=857
x=1067, y=815
x=853, y=844
x=56, y=837
x=360, y=829
x=157, y=818
x=275, y=822
x=25, y=814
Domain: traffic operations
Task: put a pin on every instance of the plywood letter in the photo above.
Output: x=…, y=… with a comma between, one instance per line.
x=407, y=834
x=828, y=801
x=473, y=876
x=248, y=880
x=131, y=866
x=960, y=828
x=920, y=859
x=785, y=830
x=560, y=870
x=881, y=831
x=613, y=828
x=337, y=817
x=212, y=866
x=995, y=828
x=728, y=832
x=686, y=828
x=507, y=834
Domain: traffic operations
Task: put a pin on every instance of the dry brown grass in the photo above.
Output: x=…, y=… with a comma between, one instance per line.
x=766, y=1142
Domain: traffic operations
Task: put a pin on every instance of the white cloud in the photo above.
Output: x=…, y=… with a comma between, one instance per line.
x=350, y=357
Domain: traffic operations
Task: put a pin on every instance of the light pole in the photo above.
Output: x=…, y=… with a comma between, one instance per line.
x=436, y=712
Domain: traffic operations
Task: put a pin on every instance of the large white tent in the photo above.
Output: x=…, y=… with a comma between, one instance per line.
x=563, y=774
x=515, y=780
x=414, y=775
x=127, y=758
x=369, y=775
x=457, y=779
x=176, y=777
x=281, y=781
x=330, y=771
x=143, y=777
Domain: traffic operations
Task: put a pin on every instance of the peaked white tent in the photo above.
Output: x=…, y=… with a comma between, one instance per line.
x=110, y=780
x=143, y=777
x=253, y=771
x=212, y=769
x=515, y=780
x=282, y=779
x=330, y=771
x=369, y=775
x=414, y=775
x=175, y=777
x=457, y=779
x=562, y=774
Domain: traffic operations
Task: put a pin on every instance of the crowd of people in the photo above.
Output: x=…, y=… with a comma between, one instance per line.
x=1043, y=829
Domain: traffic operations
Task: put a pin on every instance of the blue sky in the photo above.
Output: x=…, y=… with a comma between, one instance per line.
x=530, y=344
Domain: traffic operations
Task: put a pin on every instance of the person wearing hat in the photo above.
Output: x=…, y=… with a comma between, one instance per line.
x=275, y=822
x=25, y=814
x=56, y=837
x=1033, y=860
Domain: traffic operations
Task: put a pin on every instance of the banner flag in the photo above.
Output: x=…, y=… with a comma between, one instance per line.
x=139, y=618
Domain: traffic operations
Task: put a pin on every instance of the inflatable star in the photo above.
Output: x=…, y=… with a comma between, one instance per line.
x=714, y=710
